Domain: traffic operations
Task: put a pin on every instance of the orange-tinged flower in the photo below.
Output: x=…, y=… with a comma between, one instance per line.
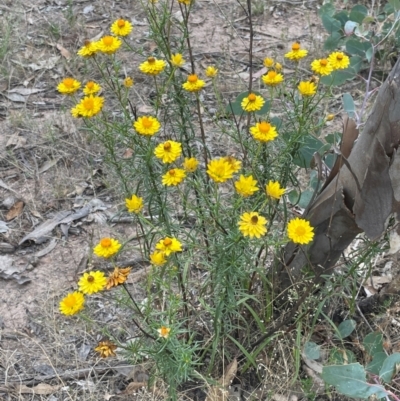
x=190, y=164
x=108, y=44
x=252, y=225
x=72, y=303
x=177, y=60
x=193, y=83
x=235, y=164
x=88, y=49
x=274, y=190
x=169, y=245
x=117, y=277
x=211, y=71
x=68, y=86
x=263, y=131
x=89, y=106
x=152, y=66
x=91, y=88
x=128, y=82
x=252, y=102
x=322, y=67
x=164, y=331
x=147, y=125
x=106, y=348
x=219, y=170
x=168, y=151
x=107, y=247
x=246, y=186
x=92, y=282
x=338, y=60
x=158, y=258
x=307, y=88
x=272, y=78
x=173, y=177
x=268, y=62
x=121, y=27
x=300, y=231
x=297, y=53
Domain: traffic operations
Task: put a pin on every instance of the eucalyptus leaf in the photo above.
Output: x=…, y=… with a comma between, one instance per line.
x=338, y=77
x=311, y=350
x=349, y=27
x=332, y=41
x=327, y=9
x=331, y=24
x=346, y=328
x=348, y=105
x=389, y=367
x=373, y=343
x=358, y=13
x=342, y=17
x=376, y=364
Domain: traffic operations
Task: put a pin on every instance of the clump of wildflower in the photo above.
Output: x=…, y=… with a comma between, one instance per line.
x=72, y=303
x=92, y=282
x=108, y=44
x=263, y=131
x=252, y=102
x=220, y=170
x=321, y=66
x=121, y=27
x=190, y=164
x=168, y=151
x=107, y=247
x=152, y=66
x=268, y=62
x=106, y=349
x=272, y=78
x=117, y=277
x=169, y=245
x=300, y=231
x=68, y=86
x=338, y=60
x=128, y=82
x=173, y=177
x=88, y=49
x=193, y=83
x=297, y=53
x=274, y=190
x=246, y=186
x=88, y=107
x=177, y=60
x=252, y=225
x=164, y=331
x=91, y=88
x=147, y=125
x=211, y=71
x=158, y=258
x=307, y=88
x=134, y=204
x=235, y=164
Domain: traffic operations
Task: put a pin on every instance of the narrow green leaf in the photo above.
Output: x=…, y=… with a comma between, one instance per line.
x=346, y=328
x=389, y=366
x=373, y=343
x=376, y=364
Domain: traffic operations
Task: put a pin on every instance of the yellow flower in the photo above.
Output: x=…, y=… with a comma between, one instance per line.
x=278, y=67
x=173, y=177
x=88, y=49
x=92, y=282
x=211, y=71
x=177, y=60
x=107, y=247
x=300, y=231
x=193, y=83
x=272, y=78
x=158, y=258
x=168, y=151
x=169, y=245
x=268, y=62
x=147, y=125
x=89, y=106
x=106, y=349
x=68, y=86
x=117, y=277
x=187, y=2
x=121, y=27
x=252, y=102
x=307, y=88
x=322, y=66
x=330, y=117
x=164, y=331
x=338, y=60
x=235, y=164
x=75, y=112
x=152, y=66
x=263, y=132
x=91, y=88
x=128, y=82
x=252, y=225
x=134, y=204
x=297, y=52
x=219, y=170
x=246, y=186
x=274, y=190
x=108, y=44
x=72, y=303
x=190, y=164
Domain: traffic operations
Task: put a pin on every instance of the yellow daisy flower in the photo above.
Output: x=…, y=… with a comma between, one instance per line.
x=246, y=186
x=300, y=231
x=274, y=190
x=187, y=2
x=147, y=125
x=297, y=53
x=193, y=83
x=252, y=225
x=106, y=349
x=152, y=66
x=252, y=102
x=263, y=132
x=107, y=247
x=134, y=204
x=169, y=245
x=88, y=49
x=75, y=112
x=235, y=164
x=128, y=82
x=89, y=106
x=268, y=62
x=92, y=282
x=121, y=27
x=278, y=67
x=158, y=258
x=338, y=60
x=307, y=88
x=272, y=78
x=72, y=303
x=211, y=71
x=117, y=277
x=173, y=177
x=177, y=60
x=321, y=67
x=190, y=164
x=68, y=86
x=91, y=88
x=164, y=331
x=108, y=44
x=219, y=170
x=168, y=151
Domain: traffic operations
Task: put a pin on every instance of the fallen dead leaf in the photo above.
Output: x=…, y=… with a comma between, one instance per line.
x=220, y=392
x=133, y=386
x=64, y=52
x=127, y=154
x=40, y=389
x=16, y=141
x=15, y=211
x=21, y=90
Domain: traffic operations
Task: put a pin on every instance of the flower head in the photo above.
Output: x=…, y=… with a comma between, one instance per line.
x=168, y=151
x=307, y=88
x=252, y=225
x=107, y=247
x=220, y=170
x=252, y=102
x=190, y=164
x=246, y=186
x=274, y=190
x=297, y=53
x=89, y=106
x=88, y=49
x=268, y=62
x=187, y=2
x=272, y=78
x=117, y=277
x=330, y=117
x=164, y=331
x=121, y=27
x=158, y=258
x=278, y=67
x=152, y=66
x=68, y=86
x=322, y=66
x=193, y=83
x=92, y=282
x=338, y=60
x=173, y=177
x=177, y=60
x=300, y=231
x=147, y=125
x=211, y=71
x=91, y=88
x=72, y=303
x=108, y=44
x=134, y=204
x=235, y=164
x=128, y=82
x=106, y=349
x=169, y=245
x=263, y=132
